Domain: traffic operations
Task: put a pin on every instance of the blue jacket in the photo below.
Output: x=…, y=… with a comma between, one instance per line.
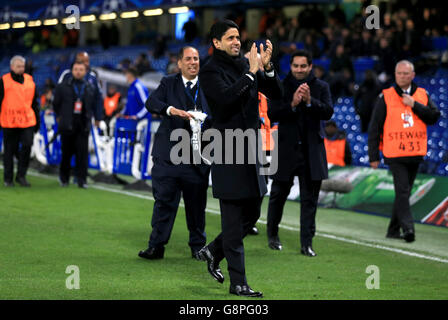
x=137, y=96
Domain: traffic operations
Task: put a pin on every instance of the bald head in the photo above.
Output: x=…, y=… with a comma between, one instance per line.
x=83, y=57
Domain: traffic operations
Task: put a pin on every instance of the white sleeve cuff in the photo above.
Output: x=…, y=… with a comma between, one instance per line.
x=168, y=110
x=251, y=78
x=270, y=74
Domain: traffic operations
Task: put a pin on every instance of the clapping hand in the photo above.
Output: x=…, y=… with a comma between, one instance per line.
x=296, y=98
x=253, y=59
x=304, y=90
x=266, y=54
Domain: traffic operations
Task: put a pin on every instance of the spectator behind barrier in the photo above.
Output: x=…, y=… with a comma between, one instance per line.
x=365, y=97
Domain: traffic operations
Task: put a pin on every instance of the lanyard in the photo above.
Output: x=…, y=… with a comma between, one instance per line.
x=79, y=93
x=195, y=95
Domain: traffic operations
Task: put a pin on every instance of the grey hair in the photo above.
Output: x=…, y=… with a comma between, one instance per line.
x=11, y=62
x=409, y=63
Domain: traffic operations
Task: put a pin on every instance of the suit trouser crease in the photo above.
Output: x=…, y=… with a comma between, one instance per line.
x=404, y=176
x=167, y=192
x=277, y=199
x=237, y=218
x=195, y=200
x=309, y=195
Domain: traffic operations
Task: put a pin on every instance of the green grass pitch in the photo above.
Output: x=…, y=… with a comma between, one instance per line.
x=46, y=228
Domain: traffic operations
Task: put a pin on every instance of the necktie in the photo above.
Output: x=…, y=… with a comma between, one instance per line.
x=191, y=91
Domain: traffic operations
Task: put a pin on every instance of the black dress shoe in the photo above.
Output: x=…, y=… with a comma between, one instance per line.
x=274, y=243
x=394, y=236
x=9, y=184
x=245, y=291
x=212, y=266
x=308, y=251
x=152, y=253
x=194, y=255
x=22, y=181
x=253, y=231
x=409, y=236
x=83, y=186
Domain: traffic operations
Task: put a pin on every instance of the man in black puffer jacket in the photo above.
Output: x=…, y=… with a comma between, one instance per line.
x=74, y=105
x=301, y=114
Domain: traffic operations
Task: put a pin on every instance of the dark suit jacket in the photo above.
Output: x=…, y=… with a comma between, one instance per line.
x=171, y=92
x=233, y=100
x=306, y=124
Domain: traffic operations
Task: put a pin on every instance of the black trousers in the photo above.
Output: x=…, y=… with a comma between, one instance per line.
x=74, y=143
x=237, y=218
x=404, y=176
x=167, y=191
x=12, y=138
x=309, y=195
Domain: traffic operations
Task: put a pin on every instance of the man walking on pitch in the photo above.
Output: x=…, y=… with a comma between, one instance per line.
x=231, y=88
x=401, y=115
x=176, y=95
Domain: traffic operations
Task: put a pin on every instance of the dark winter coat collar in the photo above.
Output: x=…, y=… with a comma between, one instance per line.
x=17, y=77
x=72, y=81
x=238, y=63
x=400, y=92
x=290, y=80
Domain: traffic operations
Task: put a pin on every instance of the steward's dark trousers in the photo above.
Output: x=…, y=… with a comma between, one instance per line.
x=74, y=143
x=237, y=218
x=309, y=195
x=404, y=176
x=167, y=191
x=12, y=138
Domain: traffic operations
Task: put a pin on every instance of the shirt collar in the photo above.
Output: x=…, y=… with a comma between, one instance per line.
x=194, y=81
x=408, y=90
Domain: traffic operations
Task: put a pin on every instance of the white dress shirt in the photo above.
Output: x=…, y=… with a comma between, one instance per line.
x=184, y=80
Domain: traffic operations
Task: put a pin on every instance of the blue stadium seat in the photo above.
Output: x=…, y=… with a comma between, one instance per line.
x=324, y=63
x=285, y=64
x=362, y=64
x=442, y=169
x=440, y=43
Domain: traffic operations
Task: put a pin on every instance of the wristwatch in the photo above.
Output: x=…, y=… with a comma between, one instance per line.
x=269, y=67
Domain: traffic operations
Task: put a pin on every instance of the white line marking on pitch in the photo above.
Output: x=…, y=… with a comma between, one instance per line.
x=321, y=234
